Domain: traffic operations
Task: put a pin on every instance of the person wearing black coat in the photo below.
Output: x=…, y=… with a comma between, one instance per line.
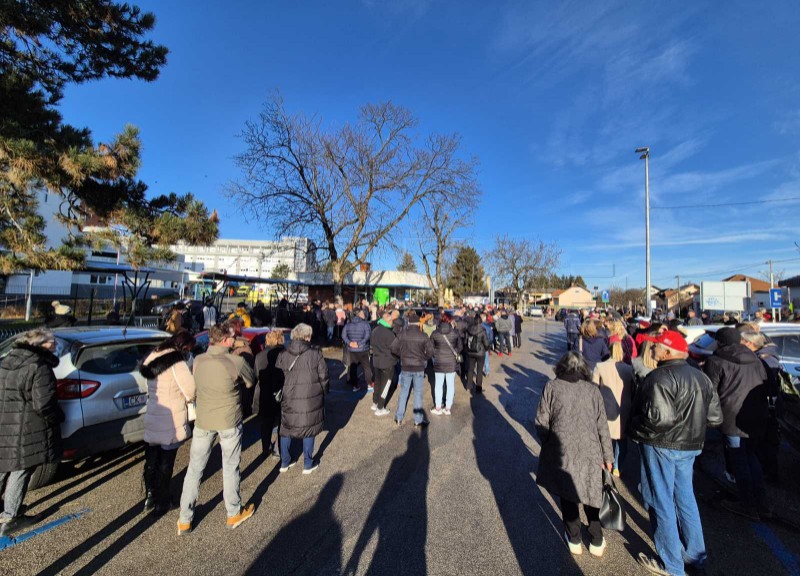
x=303, y=405
x=29, y=419
x=477, y=344
x=384, y=361
x=740, y=379
x=446, y=352
x=270, y=382
x=414, y=349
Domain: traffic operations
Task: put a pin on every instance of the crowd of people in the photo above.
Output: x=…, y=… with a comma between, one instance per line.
x=629, y=379
x=621, y=380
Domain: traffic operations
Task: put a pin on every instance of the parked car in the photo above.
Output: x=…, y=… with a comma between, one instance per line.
x=535, y=312
x=705, y=345
x=99, y=389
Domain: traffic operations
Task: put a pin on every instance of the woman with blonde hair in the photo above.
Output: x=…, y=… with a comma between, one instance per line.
x=615, y=379
x=629, y=351
x=592, y=346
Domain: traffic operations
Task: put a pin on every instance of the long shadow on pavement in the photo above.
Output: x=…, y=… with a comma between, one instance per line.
x=304, y=543
x=399, y=515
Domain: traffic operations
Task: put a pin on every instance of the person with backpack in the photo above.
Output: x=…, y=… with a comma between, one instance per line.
x=477, y=345
x=446, y=359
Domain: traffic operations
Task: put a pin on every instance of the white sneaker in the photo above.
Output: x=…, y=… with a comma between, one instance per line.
x=446, y=411
x=382, y=412
x=597, y=550
x=286, y=468
x=436, y=410
x=575, y=549
x=310, y=470
x=373, y=407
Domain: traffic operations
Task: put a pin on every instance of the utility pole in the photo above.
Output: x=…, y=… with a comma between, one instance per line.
x=645, y=155
x=29, y=300
x=771, y=286
x=678, y=304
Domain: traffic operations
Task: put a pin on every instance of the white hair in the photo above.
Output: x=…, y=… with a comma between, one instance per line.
x=302, y=332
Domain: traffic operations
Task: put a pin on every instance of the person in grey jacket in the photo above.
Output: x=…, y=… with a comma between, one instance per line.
x=219, y=377
x=303, y=405
x=504, y=326
x=356, y=336
x=446, y=349
x=573, y=431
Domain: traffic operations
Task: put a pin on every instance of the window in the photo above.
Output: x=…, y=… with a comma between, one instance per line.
x=113, y=358
x=100, y=279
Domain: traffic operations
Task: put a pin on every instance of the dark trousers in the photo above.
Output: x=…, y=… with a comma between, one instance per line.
x=383, y=381
x=475, y=370
x=270, y=415
x=158, y=466
x=504, y=342
x=517, y=340
x=572, y=340
x=362, y=359
x=572, y=522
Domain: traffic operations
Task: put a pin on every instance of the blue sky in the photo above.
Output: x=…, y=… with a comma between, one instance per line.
x=553, y=97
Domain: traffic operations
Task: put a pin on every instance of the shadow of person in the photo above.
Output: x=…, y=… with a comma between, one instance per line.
x=533, y=527
x=399, y=516
x=309, y=544
x=339, y=408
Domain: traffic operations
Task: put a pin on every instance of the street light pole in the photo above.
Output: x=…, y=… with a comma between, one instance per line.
x=645, y=155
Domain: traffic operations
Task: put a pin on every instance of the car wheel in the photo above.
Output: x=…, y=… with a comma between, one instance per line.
x=43, y=475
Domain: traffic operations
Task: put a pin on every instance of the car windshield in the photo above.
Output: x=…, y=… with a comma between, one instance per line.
x=788, y=345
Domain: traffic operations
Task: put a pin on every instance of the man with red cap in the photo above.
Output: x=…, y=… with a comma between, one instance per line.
x=670, y=413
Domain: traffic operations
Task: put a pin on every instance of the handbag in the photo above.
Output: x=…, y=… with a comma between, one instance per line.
x=191, y=406
x=459, y=358
x=612, y=512
x=278, y=394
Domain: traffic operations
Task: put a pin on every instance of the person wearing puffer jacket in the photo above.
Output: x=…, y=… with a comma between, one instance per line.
x=356, y=337
x=29, y=420
x=504, y=326
x=446, y=348
x=170, y=387
x=414, y=349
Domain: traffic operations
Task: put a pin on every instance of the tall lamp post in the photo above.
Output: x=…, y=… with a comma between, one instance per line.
x=645, y=155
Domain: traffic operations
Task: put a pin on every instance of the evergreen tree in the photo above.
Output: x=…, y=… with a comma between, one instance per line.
x=281, y=271
x=466, y=274
x=407, y=264
x=45, y=45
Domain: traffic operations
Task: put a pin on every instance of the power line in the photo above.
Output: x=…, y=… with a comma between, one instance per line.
x=725, y=204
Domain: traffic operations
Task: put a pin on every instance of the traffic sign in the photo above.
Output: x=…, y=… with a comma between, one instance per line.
x=605, y=296
x=775, y=298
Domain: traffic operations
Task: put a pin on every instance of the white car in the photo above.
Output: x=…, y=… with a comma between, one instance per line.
x=535, y=312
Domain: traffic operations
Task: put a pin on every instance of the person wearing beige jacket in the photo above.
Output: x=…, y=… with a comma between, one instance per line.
x=170, y=386
x=615, y=378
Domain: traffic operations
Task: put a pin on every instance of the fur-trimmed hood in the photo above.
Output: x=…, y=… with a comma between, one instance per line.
x=150, y=369
x=48, y=357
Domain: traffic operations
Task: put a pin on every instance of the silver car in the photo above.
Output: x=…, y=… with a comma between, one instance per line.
x=99, y=388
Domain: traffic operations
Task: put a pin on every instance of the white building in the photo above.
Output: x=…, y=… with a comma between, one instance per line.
x=251, y=257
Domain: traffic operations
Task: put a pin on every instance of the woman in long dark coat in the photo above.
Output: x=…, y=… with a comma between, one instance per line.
x=573, y=431
x=304, y=388
x=29, y=419
x=270, y=381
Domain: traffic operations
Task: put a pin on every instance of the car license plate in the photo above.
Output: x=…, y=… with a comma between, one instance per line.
x=133, y=401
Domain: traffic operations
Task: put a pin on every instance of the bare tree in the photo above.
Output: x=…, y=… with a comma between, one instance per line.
x=444, y=214
x=517, y=263
x=349, y=188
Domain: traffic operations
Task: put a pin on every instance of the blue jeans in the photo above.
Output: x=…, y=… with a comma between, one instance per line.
x=504, y=342
x=442, y=378
x=486, y=364
x=330, y=333
x=620, y=452
x=308, y=452
x=747, y=469
x=407, y=379
x=669, y=498
x=230, y=441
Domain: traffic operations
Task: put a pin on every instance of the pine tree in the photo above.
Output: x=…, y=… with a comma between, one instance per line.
x=44, y=46
x=407, y=263
x=466, y=275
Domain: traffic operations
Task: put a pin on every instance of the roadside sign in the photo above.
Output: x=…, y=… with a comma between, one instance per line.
x=775, y=298
x=606, y=296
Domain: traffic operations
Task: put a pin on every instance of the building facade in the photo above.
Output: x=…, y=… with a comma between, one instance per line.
x=257, y=258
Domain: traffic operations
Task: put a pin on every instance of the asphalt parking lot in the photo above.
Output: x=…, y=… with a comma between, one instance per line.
x=457, y=497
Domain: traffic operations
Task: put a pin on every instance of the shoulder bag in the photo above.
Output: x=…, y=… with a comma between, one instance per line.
x=459, y=358
x=191, y=405
x=278, y=394
x=612, y=513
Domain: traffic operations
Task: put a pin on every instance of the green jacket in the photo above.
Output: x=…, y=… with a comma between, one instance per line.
x=218, y=376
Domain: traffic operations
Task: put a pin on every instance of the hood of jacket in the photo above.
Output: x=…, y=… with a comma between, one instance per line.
x=22, y=354
x=737, y=353
x=445, y=328
x=297, y=347
x=160, y=364
x=474, y=329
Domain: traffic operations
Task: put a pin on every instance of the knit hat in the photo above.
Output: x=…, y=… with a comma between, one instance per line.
x=727, y=336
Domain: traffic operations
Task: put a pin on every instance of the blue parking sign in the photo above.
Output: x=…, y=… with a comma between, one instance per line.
x=775, y=298
x=605, y=296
